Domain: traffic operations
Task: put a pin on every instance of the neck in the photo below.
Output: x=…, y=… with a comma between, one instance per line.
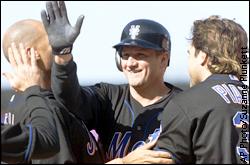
x=205, y=74
x=150, y=94
x=46, y=81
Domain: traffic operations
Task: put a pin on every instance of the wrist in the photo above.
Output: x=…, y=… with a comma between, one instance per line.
x=62, y=50
x=61, y=60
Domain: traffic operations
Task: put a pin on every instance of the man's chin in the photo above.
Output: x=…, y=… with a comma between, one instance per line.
x=135, y=84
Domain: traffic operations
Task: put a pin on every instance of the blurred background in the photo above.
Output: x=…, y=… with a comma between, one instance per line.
x=103, y=25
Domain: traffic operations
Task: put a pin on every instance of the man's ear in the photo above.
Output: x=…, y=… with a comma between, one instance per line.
x=164, y=60
x=203, y=58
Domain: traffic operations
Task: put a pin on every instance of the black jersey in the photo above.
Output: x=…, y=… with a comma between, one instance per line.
x=122, y=123
x=36, y=129
x=208, y=123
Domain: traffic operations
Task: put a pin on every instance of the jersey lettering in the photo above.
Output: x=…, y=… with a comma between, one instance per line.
x=233, y=77
x=241, y=120
x=244, y=154
x=155, y=135
x=236, y=93
x=119, y=145
x=7, y=118
x=91, y=146
x=222, y=92
x=138, y=144
x=229, y=92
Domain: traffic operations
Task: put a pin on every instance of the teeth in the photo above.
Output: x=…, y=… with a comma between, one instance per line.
x=134, y=71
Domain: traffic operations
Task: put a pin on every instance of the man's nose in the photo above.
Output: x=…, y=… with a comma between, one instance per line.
x=131, y=61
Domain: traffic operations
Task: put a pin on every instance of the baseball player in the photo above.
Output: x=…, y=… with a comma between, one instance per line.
x=36, y=128
x=209, y=123
x=125, y=116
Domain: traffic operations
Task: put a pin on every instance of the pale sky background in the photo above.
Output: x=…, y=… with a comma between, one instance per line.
x=104, y=22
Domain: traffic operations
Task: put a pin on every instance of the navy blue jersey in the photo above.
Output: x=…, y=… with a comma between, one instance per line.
x=36, y=129
x=122, y=123
x=209, y=123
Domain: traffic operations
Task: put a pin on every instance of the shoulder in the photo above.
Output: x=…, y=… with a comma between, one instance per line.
x=194, y=101
x=199, y=91
x=52, y=104
x=203, y=99
x=108, y=89
x=173, y=87
x=111, y=86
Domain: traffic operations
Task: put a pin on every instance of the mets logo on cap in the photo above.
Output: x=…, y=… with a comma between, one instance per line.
x=134, y=31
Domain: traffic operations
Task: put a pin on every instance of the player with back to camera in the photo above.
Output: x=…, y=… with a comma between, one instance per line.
x=35, y=128
x=209, y=123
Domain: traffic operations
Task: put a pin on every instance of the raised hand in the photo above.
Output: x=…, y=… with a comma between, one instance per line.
x=26, y=71
x=61, y=34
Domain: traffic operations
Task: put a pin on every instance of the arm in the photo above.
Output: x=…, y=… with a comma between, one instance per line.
x=33, y=135
x=143, y=155
x=65, y=85
x=62, y=35
x=176, y=134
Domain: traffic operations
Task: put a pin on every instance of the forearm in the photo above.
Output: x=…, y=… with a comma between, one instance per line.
x=26, y=142
x=144, y=154
x=64, y=82
x=61, y=37
x=62, y=59
x=41, y=124
x=13, y=147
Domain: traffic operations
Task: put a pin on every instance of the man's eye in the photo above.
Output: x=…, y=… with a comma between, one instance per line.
x=125, y=56
x=140, y=55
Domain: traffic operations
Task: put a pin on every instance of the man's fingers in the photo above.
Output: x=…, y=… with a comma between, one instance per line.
x=45, y=19
x=11, y=58
x=162, y=161
x=23, y=53
x=159, y=157
x=16, y=54
x=160, y=154
x=79, y=23
x=148, y=145
x=56, y=10
x=50, y=11
x=63, y=9
x=33, y=55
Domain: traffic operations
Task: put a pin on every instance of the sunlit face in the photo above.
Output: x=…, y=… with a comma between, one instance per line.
x=142, y=66
x=193, y=66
